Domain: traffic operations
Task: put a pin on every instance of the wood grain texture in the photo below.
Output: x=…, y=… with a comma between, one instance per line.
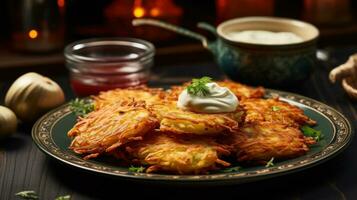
x=24, y=167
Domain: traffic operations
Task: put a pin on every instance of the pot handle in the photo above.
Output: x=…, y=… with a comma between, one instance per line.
x=177, y=29
x=208, y=27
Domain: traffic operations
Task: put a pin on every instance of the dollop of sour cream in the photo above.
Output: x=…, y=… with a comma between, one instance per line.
x=218, y=100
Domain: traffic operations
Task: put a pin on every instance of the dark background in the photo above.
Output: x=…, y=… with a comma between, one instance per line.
x=80, y=19
x=325, y=14
x=24, y=167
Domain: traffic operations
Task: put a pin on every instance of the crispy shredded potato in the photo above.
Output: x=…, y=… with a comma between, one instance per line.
x=242, y=91
x=148, y=95
x=143, y=126
x=259, y=142
x=274, y=110
x=109, y=127
x=178, y=121
x=182, y=156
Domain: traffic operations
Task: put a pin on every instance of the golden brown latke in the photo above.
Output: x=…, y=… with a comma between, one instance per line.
x=257, y=143
x=184, y=155
x=109, y=127
x=242, y=91
x=275, y=111
x=142, y=93
x=178, y=121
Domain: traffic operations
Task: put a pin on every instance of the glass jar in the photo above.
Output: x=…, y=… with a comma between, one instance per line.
x=102, y=64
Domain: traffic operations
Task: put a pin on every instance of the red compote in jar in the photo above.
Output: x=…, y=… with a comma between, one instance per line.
x=102, y=64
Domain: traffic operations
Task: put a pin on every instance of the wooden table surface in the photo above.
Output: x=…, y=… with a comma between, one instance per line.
x=24, y=167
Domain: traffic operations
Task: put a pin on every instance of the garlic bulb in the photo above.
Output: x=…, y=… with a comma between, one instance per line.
x=33, y=94
x=8, y=122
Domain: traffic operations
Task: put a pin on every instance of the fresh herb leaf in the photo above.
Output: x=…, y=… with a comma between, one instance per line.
x=231, y=169
x=81, y=107
x=198, y=86
x=136, y=169
x=270, y=162
x=66, y=197
x=311, y=132
x=275, y=108
x=29, y=194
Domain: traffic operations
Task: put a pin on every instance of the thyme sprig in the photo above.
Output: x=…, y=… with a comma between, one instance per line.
x=27, y=194
x=81, y=107
x=140, y=169
x=270, y=163
x=231, y=169
x=32, y=195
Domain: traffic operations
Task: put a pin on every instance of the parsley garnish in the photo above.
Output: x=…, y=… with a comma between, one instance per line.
x=29, y=194
x=270, y=162
x=66, y=197
x=275, y=108
x=136, y=169
x=81, y=107
x=310, y=132
x=231, y=169
x=198, y=86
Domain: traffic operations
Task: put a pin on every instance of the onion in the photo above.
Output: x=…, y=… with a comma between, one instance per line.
x=8, y=122
x=33, y=94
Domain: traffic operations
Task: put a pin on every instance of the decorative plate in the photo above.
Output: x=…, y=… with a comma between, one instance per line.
x=50, y=135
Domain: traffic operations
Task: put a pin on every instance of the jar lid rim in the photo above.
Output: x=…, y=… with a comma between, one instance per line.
x=145, y=46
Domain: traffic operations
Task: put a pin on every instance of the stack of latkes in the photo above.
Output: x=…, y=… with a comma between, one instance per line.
x=143, y=127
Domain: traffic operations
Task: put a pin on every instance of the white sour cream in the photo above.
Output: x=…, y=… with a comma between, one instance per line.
x=218, y=100
x=264, y=37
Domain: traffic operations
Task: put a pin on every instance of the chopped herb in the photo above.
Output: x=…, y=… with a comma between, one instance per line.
x=231, y=169
x=66, y=197
x=275, y=108
x=270, y=162
x=81, y=107
x=136, y=169
x=30, y=194
x=311, y=132
x=198, y=86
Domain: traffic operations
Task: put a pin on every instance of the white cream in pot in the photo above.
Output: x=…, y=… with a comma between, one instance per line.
x=264, y=37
